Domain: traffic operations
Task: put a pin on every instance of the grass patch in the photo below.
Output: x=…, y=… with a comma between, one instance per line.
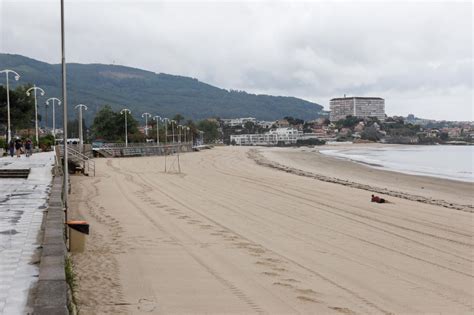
x=71, y=280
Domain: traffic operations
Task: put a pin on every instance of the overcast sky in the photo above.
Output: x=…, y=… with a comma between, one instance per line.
x=418, y=56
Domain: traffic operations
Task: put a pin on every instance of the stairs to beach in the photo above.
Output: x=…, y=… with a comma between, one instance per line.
x=14, y=173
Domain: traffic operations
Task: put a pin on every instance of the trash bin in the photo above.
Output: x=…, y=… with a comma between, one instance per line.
x=77, y=235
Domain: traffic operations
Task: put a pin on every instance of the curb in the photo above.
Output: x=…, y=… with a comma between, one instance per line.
x=52, y=289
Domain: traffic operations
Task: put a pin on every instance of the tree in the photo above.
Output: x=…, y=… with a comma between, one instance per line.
x=73, y=129
x=178, y=118
x=210, y=129
x=22, y=108
x=110, y=126
x=106, y=124
x=349, y=122
x=371, y=133
x=444, y=136
x=249, y=127
x=294, y=121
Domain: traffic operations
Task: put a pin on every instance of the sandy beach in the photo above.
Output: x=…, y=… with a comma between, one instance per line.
x=276, y=231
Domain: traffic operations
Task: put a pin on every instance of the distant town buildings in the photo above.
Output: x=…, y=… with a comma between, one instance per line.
x=238, y=122
x=273, y=137
x=362, y=107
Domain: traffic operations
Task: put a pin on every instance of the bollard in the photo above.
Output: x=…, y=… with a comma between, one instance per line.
x=77, y=235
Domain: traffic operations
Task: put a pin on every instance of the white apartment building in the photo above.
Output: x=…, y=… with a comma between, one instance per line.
x=273, y=137
x=234, y=122
x=362, y=107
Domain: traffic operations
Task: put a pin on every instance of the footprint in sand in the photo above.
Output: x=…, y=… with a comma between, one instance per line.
x=273, y=260
x=281, y=284
x=264, y=263
x=307, y=299
x=343, y=310
x=256, y=250
x=290, y=280
x=270, y=273
x=146, y=305
x=307, y=291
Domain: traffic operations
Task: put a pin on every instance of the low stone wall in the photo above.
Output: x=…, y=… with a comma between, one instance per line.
x=51, y=296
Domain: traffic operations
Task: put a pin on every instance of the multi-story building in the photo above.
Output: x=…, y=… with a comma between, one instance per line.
x=273, y=137
x=240, y=122
x=363, y=107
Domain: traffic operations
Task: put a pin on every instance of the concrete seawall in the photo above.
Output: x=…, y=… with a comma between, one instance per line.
x=51, y=294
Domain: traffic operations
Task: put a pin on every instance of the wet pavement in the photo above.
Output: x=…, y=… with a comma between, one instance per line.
x=22, y=205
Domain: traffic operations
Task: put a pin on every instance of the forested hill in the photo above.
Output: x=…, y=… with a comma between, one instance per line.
x=160, y=94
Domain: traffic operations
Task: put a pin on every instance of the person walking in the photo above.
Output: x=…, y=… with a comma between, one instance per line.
x=11, y=147
x=28, y=147
x=18, y=146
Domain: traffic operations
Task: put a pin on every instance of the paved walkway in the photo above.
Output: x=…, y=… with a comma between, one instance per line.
x=22, y=202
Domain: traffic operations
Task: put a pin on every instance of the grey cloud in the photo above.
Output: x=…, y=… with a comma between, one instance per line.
x=315, y=50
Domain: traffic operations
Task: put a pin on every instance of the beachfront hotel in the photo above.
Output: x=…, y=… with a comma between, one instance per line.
x=362, y=107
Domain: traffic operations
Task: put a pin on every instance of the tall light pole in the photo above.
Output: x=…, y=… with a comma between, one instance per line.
x=81, y=141
x=28, y=92
x=173, y=122
x=185, y=134
x=179, y=133
x=64, y=90
x=157, y=118
x=125, y=112
x=166, y=130
x=17, y=77
x=146, y=115
x=202, y=136
x=58, y=101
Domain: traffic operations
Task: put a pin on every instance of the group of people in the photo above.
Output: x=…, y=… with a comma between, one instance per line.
x=19, y=147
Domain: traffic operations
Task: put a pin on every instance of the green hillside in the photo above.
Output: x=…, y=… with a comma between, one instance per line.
x=160, y=94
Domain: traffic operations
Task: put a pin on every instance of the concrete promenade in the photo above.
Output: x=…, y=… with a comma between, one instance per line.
x=22, y=206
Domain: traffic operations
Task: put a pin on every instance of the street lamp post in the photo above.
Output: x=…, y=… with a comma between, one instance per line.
x=157, y=118
x=28, y=92
x=17, y=77
x=125, y=112
x=64, y=94
x=166, y=130
x=185, y=134
x=179, y=133
x=146, y=115
x=81, y=141
x=58, y=101
x=173, y=122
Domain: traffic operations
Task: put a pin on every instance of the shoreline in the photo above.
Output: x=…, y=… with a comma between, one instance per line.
x=344, y=153
x=258, y=155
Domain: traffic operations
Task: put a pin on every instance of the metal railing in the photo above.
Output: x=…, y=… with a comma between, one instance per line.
x=143, y=150
x=88, y=165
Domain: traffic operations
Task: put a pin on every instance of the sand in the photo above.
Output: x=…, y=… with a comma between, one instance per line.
x=229, y=235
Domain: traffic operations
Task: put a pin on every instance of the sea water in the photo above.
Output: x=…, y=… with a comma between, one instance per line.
x=444, y=161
